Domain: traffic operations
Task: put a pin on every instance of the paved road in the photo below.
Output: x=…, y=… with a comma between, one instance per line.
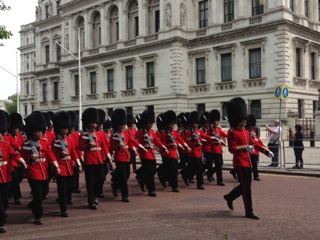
x=288, y=207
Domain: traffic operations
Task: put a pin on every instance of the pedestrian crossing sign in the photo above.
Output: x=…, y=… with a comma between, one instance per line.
x=281, y=92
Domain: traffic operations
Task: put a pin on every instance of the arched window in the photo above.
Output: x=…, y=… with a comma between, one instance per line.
x=80, y=24
x=114, y=24
x=96, y=30
x=133, y=20
x=153, y=16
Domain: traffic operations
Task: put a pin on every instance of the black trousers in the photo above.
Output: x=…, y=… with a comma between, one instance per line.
x=208, y=163
x=171, y=169
x=17, y=176
x=254, y=161
x=133, y=160
x=120, y=178
x=274, y=148
x=38, y=188
x=75, y=176
x=149, y=170
x=244, y=188
x=218, y=162
x=4, y=193
x=65, y=186
x=298, y=155
x=95, y=177
x=195, y=169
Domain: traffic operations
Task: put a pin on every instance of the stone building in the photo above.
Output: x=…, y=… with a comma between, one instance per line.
x=182, y=55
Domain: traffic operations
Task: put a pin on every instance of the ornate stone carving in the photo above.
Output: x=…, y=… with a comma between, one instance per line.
x=167, y=15
x=199, y=88
x=149, y=90
x=128, y=93
x=299, y=83
x=182, y=15
x=224, y=86
x=254, y=82
x=108, y=95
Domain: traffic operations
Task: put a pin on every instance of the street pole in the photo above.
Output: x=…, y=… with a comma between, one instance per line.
x=16, y=76
x=79, y=65
x=80, y=92
x=18, y=104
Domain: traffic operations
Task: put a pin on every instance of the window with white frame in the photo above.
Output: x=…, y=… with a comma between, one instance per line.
x=224, y=106
x=228, y=10
x=47, y=53
x=157, y=21
x=58, y=6
x=255, y=63
x=150, y=74
x=298, y=62
x=44, y=92
x=55, y=90
x=292, y=5
x=255, y=108
x=133, y=20
x=129, y=111
x=313, y=64
x=25, y=109
x=201, y=70
x=80, y=24
x=129, y=77
x=203, y=14
x=201, y=108
x=27, y=88
x=93, y=82
x=226, y=67
x=110, y=80
x=58, y=48
x=47, y=8
x=114, y=24
x=76, y=85
x=306, y=8
x=257, y=7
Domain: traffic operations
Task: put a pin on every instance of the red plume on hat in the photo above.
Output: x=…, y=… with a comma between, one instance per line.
x=237, y=111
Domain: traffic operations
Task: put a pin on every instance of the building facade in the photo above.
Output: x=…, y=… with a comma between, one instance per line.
x=182, y=55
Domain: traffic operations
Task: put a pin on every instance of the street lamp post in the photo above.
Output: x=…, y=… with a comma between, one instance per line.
x=79, y=65
x=17, y=80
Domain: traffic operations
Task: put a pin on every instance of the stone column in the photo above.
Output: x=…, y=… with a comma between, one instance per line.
x=87, y=30
x=104, y=29
x=317, y=125
x=123, y=16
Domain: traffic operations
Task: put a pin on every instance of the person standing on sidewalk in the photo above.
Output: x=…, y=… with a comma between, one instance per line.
x=274, y=141
x=240, y=144
x=298, y=146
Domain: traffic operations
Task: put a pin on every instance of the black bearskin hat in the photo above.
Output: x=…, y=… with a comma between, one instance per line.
x=119, y=117
x=204, y=118
x=214, y=116
x=36, y=121
x=169, y=118
x=47, y=118
x=159, y=121
x=3, y=122
x=179, y=118
x=15, y=121
x=102, y=116
x=193, y=117
x=90, y=115
x=61, y=120
x=131, y=120
x=138, y=121
x=74, y=119
x=237, y=111
x=147, y=117
x=107, y=123
x=251, y=121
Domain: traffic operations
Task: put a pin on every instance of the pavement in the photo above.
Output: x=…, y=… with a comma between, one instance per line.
x=288, y=207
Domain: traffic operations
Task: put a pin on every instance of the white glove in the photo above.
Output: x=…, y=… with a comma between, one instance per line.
x=270, y=155
x=249, y=149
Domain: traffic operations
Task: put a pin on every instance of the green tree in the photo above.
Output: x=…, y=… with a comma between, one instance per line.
x=4, y=33
x=11, y=106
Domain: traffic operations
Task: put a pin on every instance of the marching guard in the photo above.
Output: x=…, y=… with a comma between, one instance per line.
x=240, y=144
x=95, y=152
x=36, y=151
x=65, y=153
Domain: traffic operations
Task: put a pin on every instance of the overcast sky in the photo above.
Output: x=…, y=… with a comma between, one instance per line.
x=22, y=12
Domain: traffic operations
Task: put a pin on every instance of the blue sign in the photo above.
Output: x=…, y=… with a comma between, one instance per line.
x=285, y=93
x=277, y=92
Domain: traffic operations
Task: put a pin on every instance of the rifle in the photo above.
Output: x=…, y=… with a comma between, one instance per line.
x=34, y=145
x=148, y=140
x=195, y=137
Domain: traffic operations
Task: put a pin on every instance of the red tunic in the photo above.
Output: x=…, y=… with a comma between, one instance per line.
x=256, y=139
x=171, y=142
x=206, y=144
x=6, y=156
x=122, y=154
x=16, y=143
x=37, y=169
x=216, y=146
x=93, y=154
x=65, y=161
x=50, y=136
x=75, y=136
x=194, y=141
x=141, y=136
x=238, y=139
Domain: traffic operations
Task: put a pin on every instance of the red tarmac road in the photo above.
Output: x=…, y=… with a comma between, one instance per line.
x=288, y=207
